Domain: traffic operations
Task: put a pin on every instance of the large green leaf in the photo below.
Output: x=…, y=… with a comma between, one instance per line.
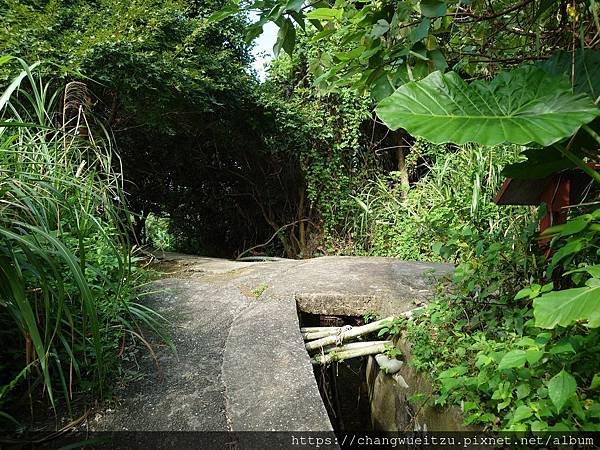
x=539, y=164
x=525, y=106
x=584, y=66
x=568, y=306
x=286, y=38
x=560, y=388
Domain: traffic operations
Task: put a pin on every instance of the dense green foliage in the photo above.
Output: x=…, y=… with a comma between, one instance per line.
x=386, y=128
x=199, y=140
x=493, y=356
x=450, y=208
x=335, y=161
x=67, y=278
x=514, y=359
x=525, y=106
x=378, y=45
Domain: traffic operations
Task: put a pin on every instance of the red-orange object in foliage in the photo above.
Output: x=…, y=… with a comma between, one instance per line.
x=558, y=192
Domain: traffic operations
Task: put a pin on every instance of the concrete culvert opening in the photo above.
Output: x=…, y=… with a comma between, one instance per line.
x=363, y=370
x=342, y=384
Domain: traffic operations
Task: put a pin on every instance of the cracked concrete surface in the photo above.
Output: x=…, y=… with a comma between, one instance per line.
x=240, y=362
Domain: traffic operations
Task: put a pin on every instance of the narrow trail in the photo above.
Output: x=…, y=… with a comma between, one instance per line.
x=241, y=363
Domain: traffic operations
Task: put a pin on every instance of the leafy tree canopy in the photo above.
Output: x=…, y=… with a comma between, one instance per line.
x=159, y=60
x=381, y=44
x=200, y=140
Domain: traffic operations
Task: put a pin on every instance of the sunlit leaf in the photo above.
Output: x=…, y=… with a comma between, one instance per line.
x=560, y=388
x=515, y=358
x=523, y=390
x=567, y=307
x=324, y=14
x=563, y=347
x=522, y=107
x=521, y=413
x=533, y=355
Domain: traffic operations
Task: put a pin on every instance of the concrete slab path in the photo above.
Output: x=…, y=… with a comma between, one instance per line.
x=241, y=363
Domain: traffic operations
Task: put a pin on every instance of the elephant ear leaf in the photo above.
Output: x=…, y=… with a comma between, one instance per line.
x=525, y=106
x=539, y=164
x=583, y=66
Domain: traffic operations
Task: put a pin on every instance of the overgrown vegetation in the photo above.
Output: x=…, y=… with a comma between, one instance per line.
x=67, y=278
x=386, y=127
x=514, y=339
x=201, y=143
x=448, y=214
x=506, y=363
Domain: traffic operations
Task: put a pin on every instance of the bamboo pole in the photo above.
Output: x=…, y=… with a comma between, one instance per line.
x=315, y=329
x=317, y=334
x=348, y=334
x=312, y=333
x=351, y=351
x=352, y=346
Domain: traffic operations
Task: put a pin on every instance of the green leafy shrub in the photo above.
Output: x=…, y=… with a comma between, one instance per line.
x=498, y=357
x=199, y=140
x=393, y=327
x=335, y=159
x=157, y=233
x=510, y=374
x=577, y=243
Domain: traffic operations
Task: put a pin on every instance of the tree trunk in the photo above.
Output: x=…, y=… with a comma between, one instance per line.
x=302, y=225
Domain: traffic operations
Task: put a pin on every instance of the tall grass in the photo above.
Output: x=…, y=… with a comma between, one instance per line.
x=66, y=274
x=455, y=196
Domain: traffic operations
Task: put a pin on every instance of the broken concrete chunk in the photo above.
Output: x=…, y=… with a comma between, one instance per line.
x=400, y=380
x=388, y=365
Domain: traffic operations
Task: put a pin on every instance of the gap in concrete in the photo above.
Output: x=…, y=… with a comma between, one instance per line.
x=342, y=385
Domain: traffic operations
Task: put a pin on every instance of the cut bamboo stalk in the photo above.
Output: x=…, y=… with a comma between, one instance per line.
x=347, y=352
x=325, y=331
x=349, y=334
x=313, y=333
x=313, y=329
x=352, y=346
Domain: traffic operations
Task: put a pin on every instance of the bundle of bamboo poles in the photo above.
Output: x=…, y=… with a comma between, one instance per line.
x=331, y=343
